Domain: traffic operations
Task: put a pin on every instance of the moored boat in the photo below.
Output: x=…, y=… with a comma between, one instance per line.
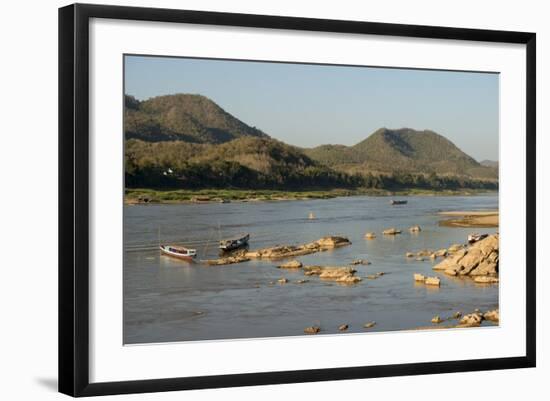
x=398, y=202
x=179, y=252
x=238, y=241
x=472, y=238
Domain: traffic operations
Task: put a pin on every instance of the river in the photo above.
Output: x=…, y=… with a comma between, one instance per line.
x=171, y=300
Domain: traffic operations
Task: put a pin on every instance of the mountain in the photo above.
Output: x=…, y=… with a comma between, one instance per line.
x=405, y=150
x=190, y=118
x=183, y=140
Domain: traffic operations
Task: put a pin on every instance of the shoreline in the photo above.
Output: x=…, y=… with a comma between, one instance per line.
x=466, y=219
x=139, y=196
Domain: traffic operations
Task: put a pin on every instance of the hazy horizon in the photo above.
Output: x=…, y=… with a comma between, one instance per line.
x=308, y=105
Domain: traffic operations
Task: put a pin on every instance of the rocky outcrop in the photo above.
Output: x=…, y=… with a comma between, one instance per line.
x=474, y=319
x=349, y=279
x=471, y=320
x=493, y=315
x=420, y=255
x=293, y=264
x=420, y=278
x=437, y=319
x=312, y=330
x=479, y=259
x=284, y=251
x=455, y=247
x=436, y=281
x=343, y=275
x=486, y=279
x=415, y=229
x=227, y=260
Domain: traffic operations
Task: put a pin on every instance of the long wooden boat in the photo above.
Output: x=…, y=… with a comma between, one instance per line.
x=236, y=242
x=179, y=252
x=398, y=202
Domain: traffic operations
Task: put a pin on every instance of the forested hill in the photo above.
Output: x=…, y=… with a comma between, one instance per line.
x=188, y=141
x=404, y=150
x=190, y=118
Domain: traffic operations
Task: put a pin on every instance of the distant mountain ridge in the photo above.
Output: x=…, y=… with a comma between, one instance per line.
x=190, y=118
x=188, y=139
x=402, y=150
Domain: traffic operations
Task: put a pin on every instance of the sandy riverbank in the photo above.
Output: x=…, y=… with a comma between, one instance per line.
x=482, y=219
x=143, y=196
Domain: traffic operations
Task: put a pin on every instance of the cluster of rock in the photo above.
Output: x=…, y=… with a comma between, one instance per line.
x=293, y=264
x=312, y=330
x=228, y=260
x=393, y=231
x=479, y=259
x=475, y=319
x=342, y=327
x=486, y=280
x=345, y=275
x=283, y=251
x=420, y=278
x=375, y=276
x=339, y=274
x=441, y=253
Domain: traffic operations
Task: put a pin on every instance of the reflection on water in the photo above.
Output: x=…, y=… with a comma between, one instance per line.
x=172, y=300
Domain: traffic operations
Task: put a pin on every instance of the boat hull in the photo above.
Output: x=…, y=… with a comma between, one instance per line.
x=188, y=258
x=236, y=244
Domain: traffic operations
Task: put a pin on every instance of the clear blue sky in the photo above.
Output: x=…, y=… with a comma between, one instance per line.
x=310, y=105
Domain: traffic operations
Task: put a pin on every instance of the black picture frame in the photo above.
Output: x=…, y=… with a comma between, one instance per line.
x=74, y=198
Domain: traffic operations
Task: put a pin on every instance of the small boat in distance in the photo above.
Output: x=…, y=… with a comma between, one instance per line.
x=238, y=241
x=472, y=238
x=398, y=202
x=179, y=252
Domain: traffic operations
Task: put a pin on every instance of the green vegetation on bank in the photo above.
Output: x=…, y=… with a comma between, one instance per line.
x=143, y=195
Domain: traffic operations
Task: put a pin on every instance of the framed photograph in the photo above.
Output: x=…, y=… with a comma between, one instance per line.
x=251, y=199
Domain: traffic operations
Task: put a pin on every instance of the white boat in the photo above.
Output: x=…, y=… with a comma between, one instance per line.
x=476, y=237
x=179, y=252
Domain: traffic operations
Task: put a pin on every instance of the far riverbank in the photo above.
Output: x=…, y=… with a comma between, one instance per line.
x=143, y=195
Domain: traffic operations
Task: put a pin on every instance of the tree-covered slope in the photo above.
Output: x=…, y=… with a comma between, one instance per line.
x=402, y=150
x=191, y=118
x=246, y=162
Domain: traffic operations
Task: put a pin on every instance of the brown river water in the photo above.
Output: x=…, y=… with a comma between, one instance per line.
x=171, y=300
